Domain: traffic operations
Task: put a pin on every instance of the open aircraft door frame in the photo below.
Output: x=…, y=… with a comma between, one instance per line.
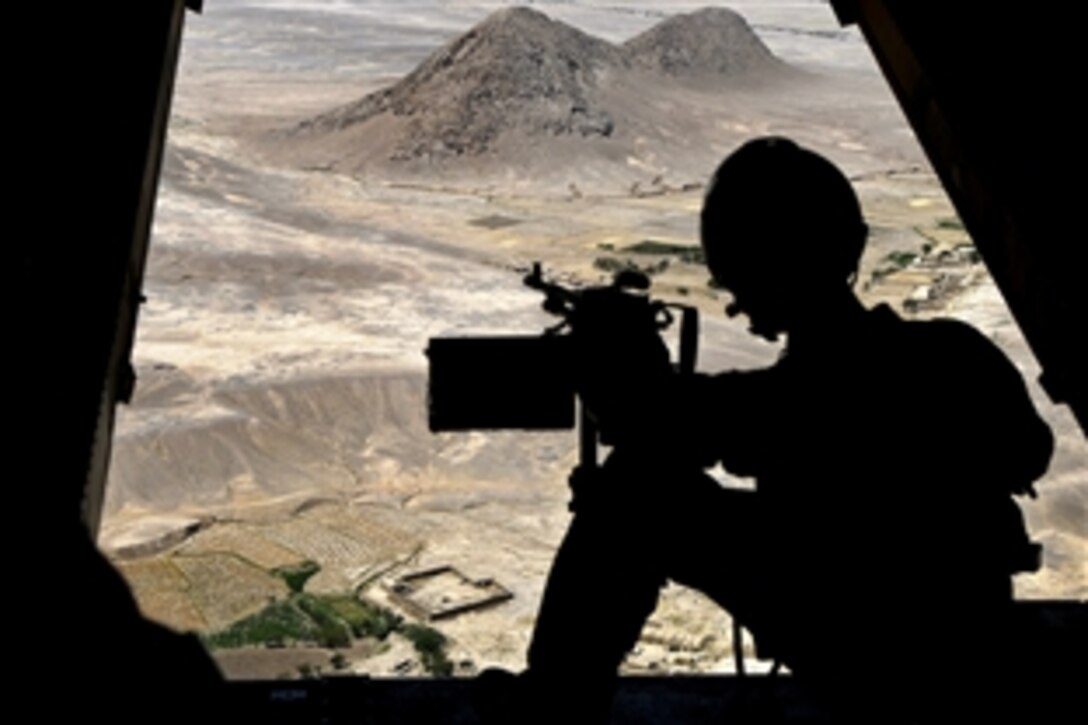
x=988, y=90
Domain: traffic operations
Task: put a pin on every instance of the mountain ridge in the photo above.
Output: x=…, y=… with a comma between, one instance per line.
x=521, y=73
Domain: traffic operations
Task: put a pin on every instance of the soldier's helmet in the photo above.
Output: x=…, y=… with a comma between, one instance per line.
x=777, y=210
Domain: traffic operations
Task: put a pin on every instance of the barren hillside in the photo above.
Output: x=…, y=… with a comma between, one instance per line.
x=520, y=79
x=707, y=42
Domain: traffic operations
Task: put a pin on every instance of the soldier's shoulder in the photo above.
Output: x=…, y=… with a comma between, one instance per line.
x=947, y=333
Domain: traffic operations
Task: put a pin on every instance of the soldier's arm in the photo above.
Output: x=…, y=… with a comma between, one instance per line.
x=1006, y=439
x=723, y=418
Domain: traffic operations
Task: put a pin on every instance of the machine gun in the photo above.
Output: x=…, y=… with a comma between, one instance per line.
x=532, y=382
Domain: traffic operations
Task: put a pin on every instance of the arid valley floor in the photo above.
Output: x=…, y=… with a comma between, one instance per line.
x=295, y=279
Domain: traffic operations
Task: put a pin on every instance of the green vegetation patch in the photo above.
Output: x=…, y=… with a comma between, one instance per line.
x=901, y=259
x=495, y=221
x=613, y=265
x=324, y=620
x=431, y=646
x=331, y=630
x=684, y=252
x=279, y=623
x=364, y=619
x=330, y=621
x=296, y=576
x=950, y=223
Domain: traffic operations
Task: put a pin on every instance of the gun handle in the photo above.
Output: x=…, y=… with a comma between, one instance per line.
x=689, y=340
x=587, y=439
x=581, y=478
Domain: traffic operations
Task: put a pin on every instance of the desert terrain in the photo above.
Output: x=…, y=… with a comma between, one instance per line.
x=344, y=181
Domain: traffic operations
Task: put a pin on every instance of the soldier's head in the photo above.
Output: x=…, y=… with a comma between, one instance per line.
x=782, y=230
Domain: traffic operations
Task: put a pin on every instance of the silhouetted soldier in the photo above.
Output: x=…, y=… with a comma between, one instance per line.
x=875, y=557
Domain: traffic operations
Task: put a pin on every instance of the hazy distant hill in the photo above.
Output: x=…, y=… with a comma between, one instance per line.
x=711, y=41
